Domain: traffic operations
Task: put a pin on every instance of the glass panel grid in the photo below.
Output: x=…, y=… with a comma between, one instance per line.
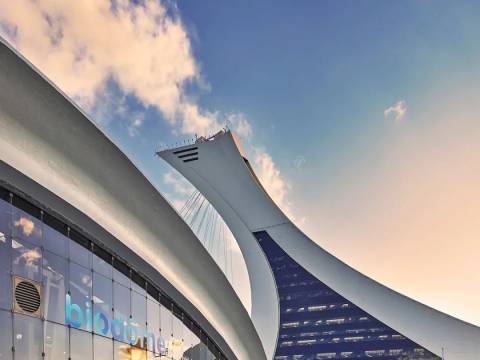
x=77, y=285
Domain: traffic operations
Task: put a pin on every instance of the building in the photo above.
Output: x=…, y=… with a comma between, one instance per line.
x=94, y=263
x=307, y=304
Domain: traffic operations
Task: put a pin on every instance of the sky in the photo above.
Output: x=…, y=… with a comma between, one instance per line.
x=361, y=118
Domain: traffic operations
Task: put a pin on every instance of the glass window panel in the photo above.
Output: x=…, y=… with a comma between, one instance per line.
x=153, y=327
x=139, y=318
x=210, y=355
x=56, y=341
x=54, y=241
x=203, y=351
x=196, y=352
x=138, y=354
x=166, y=329
x=166, y=322
x=5, y=220
x=26, y=227
x=121, y=313
x=121, y=278
x=121, y=351
x=79, y=254
x=6, y=337
x=102, y=267
x=80, y=345
x=121, y=301
x=177, y=340
x=26, y=260
x=191, y=342
x=102, y=304
x=5, y=253
x=5, y=291
x=138, y=288
x=54, y=281
x=102, y=348
x=28, y=337
x=81, y=295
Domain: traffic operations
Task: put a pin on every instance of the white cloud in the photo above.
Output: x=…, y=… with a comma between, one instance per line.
x=272, y=180
x=180, y=185
x=299, y=161
x=135, y=123
x=396, y=112
x=239, y=123
x=82, y=45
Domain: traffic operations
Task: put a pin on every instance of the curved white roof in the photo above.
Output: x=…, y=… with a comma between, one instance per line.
x=49, y=140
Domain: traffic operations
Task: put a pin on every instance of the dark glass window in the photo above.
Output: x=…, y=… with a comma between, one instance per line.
x=318, y=323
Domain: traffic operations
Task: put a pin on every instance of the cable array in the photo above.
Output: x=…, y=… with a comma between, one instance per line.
x=211, y=230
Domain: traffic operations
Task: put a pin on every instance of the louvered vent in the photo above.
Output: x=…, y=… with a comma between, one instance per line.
x=187, y=155
x=27, y=297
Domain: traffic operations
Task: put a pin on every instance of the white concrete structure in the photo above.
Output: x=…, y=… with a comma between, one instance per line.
x=219, y=169
x=52, y=154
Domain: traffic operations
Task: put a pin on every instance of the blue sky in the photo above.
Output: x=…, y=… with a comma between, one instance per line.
x=361, y=117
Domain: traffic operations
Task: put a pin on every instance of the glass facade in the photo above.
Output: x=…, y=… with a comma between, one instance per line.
x=318, y=323
x=93, y=305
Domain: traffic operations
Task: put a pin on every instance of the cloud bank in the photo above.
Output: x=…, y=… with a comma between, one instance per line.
x=101, y=52
x=82, y=45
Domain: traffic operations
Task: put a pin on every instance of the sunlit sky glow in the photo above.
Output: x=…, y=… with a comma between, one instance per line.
x=361, y=118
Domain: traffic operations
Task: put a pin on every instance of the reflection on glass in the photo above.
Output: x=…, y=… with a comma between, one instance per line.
x=176, y=343
x=121, y=313
x=56, y=341
x=54, y=241
x=102, y=267
x=81, y=293
x=5, y=279
x=158, y=333
x=79, y=254
x=5, y=251
x=6, y=337
x=153, y=319
x=102, y=348
x=166, y=323
x=121, y=278
x=54, y=270
x=5, y=220
x=138, y=354
x=80, y=345
x=138, y=288
x=28, y=337
x=139, y=318
x=5, y=291
x=26, y=227
x=26, y=260
x=102, y=303
x=121, y=351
